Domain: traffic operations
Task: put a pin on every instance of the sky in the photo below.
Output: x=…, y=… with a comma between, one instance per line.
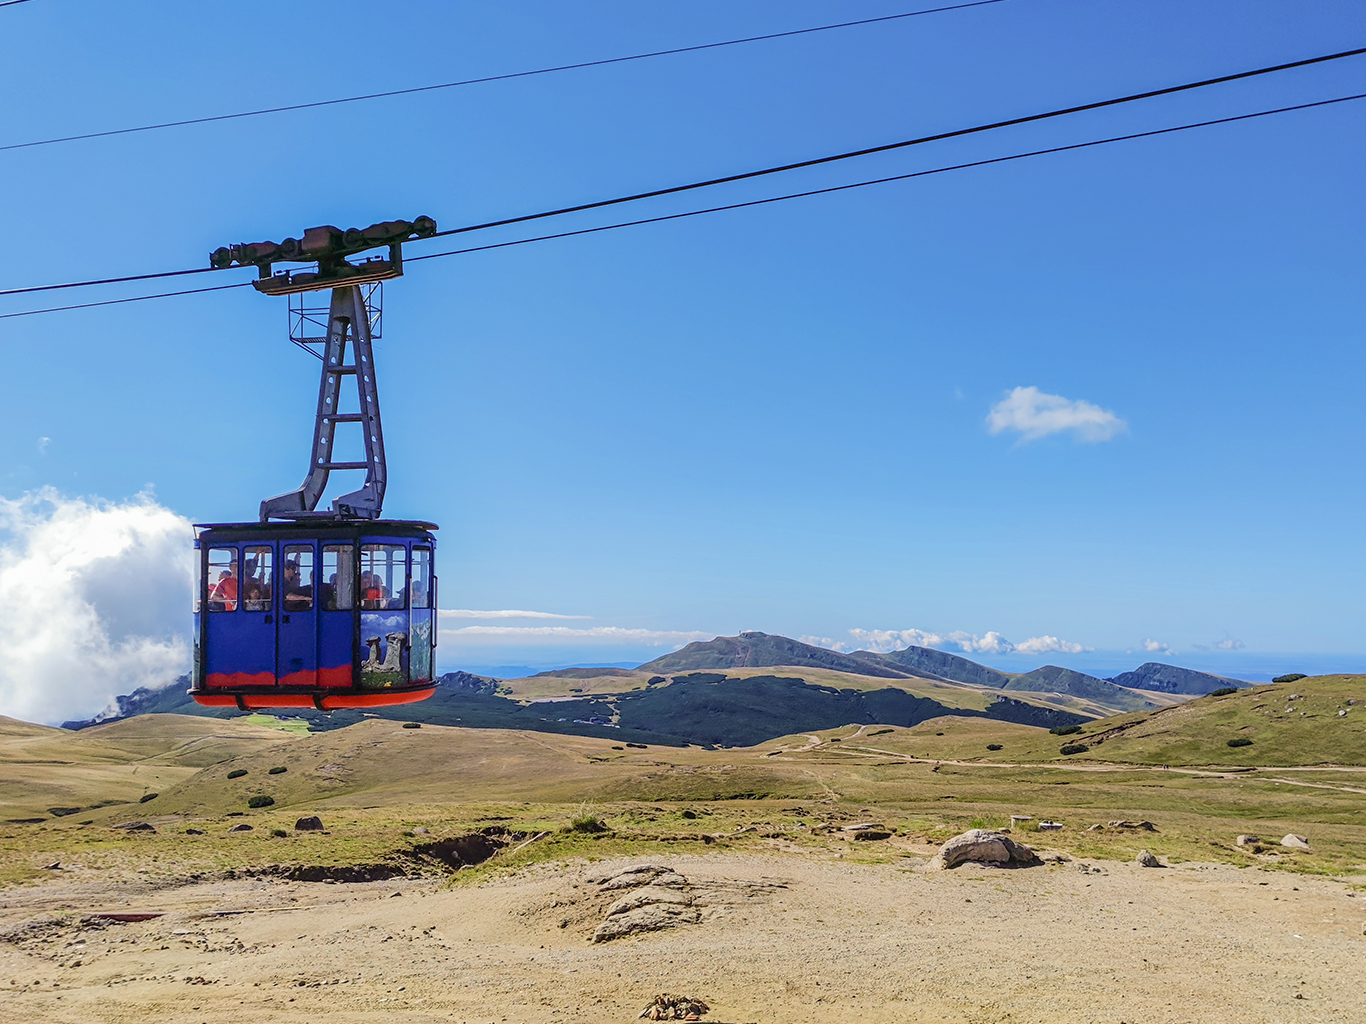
x=1092, y=408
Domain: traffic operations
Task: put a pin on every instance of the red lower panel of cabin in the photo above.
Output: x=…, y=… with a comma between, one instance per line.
x=329, y=701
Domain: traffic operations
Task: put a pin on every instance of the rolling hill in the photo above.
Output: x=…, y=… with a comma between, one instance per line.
x=1052, y=679
x=1153, y=675
x=762, y=650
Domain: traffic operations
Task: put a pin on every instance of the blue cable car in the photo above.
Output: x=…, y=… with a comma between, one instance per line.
x=321, y=608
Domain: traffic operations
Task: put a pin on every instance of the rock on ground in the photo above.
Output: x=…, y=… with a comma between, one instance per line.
x=984, y=847
x=1295, y=842
x=1146, y=859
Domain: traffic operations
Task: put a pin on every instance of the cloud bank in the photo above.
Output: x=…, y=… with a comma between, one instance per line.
x=1035, y=414
x=883, y=641
x=1157, y=646
x=510, y=613
x=484, y=635
x=94, y=602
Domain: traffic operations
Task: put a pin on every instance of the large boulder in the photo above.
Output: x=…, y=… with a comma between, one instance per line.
x=1295, y=842
x=983, y=846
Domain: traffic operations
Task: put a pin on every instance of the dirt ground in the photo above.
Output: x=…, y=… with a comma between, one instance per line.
x=767, y=938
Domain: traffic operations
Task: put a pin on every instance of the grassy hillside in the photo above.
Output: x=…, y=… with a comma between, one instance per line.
x=1052, y=679
x=46, y=772
x=1304, y=731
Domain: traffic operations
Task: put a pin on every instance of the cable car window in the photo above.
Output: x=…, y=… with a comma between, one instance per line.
x=339, y=574
x=257, y=579
x=198, y=581
x=422, y=578
x=223, y=579
x=383, y=575
x=297, y=581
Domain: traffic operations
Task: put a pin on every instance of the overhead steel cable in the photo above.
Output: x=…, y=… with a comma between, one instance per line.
x=11, y=3
x=780, y=168
x=132, y=298
x=906, y=143
x=769, y=199
x=489, y=78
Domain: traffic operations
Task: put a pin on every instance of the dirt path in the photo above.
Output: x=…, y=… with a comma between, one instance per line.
x=805, y=939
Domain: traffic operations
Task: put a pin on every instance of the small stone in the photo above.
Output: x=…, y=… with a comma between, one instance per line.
x=1145, y=859
x=1247, y=840
x=420, y=831
x=1295, y=842
x=1019, y=819
x=194, y=832
x=1097, y=827
x=241, y=828
x=56, y=865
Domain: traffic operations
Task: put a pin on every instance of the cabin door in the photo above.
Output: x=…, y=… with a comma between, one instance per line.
x=296, y=605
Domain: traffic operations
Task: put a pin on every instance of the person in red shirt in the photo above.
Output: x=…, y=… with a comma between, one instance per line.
x=225, y=592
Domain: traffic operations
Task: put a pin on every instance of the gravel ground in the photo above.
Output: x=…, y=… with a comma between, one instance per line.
x=766, y=938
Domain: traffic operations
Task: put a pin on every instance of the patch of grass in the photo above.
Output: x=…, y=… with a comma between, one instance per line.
x=994, y=746
x=1065, y=730
x=255, y=802
x=280, y=833
x=1223, y=691
x=148, y=796
x=279, y=769
x=1074, y=748
x=1240, y=741
x=237, y=773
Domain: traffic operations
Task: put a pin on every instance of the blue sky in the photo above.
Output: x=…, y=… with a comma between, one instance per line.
x=774, y=419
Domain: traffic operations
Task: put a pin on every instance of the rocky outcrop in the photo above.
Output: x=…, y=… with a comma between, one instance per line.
x=982, y=846
x=468, y=682
x=655, y=897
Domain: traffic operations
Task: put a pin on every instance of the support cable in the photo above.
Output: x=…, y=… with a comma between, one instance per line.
x=743, y=176
x=769, y=199
x=890, y=146
x=488, y=78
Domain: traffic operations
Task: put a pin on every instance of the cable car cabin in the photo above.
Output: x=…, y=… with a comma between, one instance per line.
x=330, y=614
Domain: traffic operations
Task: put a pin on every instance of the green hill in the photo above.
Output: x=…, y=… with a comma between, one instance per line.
x=1305, y=730
x=1052, y=679
x=931, y=664
x=761, y=650
x=1153, y=675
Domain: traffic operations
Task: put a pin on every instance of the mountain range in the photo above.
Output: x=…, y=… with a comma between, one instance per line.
x=761, y=650
x=710, y=693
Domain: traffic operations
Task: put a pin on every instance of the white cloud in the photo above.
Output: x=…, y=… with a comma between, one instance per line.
x=43, y=442
x=543, y=634
x=1036, y=414
x=1156, y=646
x=1049, y=645
x=883, y=641
x=824, y=641
x=94, y=602
x=1229, y=644
x=510, y=613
